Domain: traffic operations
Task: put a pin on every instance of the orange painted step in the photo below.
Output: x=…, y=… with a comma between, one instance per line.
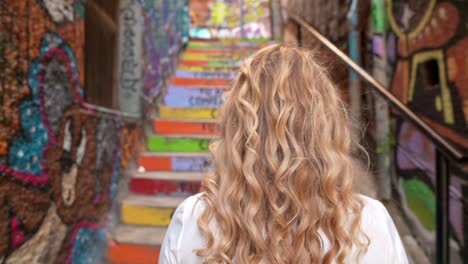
x=210, y=52
x=155, y=163
x=123, y=253
x=171, y=127
x=186, y=82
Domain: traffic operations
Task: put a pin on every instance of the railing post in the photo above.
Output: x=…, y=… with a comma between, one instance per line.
x=442, y=189
x=299, y=33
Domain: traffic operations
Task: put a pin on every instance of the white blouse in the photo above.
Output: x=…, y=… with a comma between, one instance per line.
x=183, y=235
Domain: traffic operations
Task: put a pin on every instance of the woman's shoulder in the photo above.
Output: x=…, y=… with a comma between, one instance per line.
x=190, y=209
x=378, y=226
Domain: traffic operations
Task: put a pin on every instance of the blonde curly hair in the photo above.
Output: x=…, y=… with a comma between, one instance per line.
x=282, y=169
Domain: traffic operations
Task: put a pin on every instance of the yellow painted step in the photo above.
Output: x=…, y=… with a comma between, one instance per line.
x=188, y=113
x=143, y=215
x=207, y=68
x=149, y=210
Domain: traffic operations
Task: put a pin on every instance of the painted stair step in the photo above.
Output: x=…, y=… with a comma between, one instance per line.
x=205, y=75
x=183, y=143
x=215, y=83
x=149, y=210
x=186, y=127
x=193, y=98
x=177, y=162
x=194, y=91
x=124, y=253
x=224, y=52
x=207, y=69
x=188, y=113
x=245, y=44
x=210, y=63
x=138, y=235
x=182, y=176
x=228, y=58
x=164, y=187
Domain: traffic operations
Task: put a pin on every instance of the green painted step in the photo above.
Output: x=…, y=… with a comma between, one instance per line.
x=158, y=143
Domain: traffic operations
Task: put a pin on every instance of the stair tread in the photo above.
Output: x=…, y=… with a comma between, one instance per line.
x=178, y=120
x=169, y=175
x=153, y=201
x=176, y=154
x=190, y=136
x=142, y=235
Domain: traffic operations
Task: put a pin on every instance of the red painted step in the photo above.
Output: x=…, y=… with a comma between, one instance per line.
x=157, y=187
x=190, y=82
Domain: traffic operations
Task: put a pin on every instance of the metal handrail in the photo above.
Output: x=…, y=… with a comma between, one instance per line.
x=445, y=146
x=134, y=118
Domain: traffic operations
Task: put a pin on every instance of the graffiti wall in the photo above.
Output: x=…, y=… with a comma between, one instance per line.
x=59, y=161
x=423, y=47
x=230, y=19
x=165, y=30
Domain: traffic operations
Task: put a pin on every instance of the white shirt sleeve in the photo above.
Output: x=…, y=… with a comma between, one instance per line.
x=385, y=243
x=169, y=253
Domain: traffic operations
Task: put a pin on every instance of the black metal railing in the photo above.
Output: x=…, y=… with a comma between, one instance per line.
x=446, y=152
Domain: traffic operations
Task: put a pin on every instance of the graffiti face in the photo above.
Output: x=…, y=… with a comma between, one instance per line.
x=60, y=10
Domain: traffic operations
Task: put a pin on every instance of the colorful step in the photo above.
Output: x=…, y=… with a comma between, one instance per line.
x=177, y=162
x=186, y=127
x=205, y=75
x=163, y=187
x=137, y=235
x=191, y=143
x=178, y=96
x=189, y=82
x=233, y=57
x=125, y=253
x=208, y=69
x=148, y=210
x=188, y=113
x=210, y=63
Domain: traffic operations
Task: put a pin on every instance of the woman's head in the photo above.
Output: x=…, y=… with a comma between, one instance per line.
x=282, y=166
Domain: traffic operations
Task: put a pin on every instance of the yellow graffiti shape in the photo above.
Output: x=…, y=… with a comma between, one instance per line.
x=254, y=11
x=219, y=11
x=444, y=102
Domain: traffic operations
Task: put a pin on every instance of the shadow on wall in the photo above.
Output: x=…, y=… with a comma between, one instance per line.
x=59, y=162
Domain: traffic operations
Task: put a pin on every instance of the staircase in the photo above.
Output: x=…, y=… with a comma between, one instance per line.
x=177, y=149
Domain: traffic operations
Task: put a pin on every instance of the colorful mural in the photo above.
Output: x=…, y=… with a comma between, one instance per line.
x=165, y=30
x=230, y=19
x=59, y=161
x=424, y=47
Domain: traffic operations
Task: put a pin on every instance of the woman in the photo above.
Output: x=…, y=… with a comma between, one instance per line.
x=281, y=186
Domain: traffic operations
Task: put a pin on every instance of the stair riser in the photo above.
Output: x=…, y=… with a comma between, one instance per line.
x=188, y=113
x=155, y=187
x=192, y=97
x=177, y=164
x=223, y=58
x=207, y=69
x=188, y=82
x=205, y=75
x=186, y=128
x=124, y=253
x=162, y=144
x=144, y=215
x=208, y=63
